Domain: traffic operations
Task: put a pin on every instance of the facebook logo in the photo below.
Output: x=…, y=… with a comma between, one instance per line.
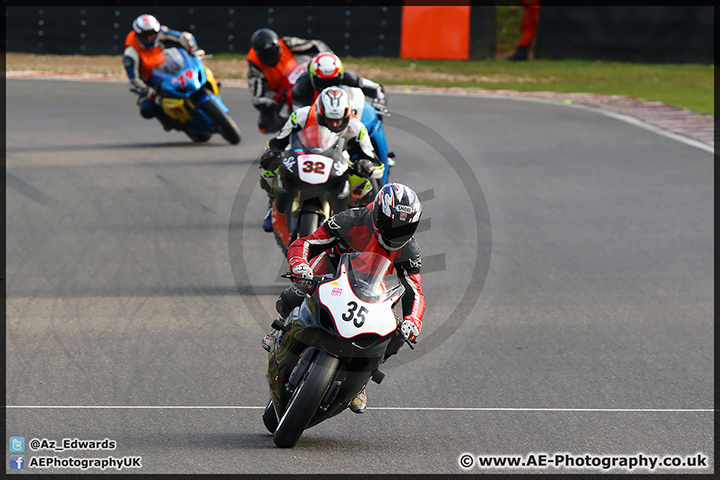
x=17, y=444
x=17, y=462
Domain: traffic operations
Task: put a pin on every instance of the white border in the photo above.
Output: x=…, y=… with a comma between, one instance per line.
x=432, y=409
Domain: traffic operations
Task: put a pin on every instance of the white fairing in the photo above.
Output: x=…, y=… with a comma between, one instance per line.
x=349, y=311
x=357, y=100
x=297, y=71
x=314, y=169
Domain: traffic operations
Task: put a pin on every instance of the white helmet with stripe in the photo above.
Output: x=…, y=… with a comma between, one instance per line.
x=333, y=109
x=146, y=29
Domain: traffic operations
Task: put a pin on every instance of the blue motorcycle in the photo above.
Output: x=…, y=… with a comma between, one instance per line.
x=370, y=116
x=191, y=98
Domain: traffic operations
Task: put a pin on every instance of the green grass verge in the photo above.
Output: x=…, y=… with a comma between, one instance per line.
x=688, y=86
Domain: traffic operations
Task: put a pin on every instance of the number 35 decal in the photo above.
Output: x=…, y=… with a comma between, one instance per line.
x=350, y=316
x=310, y=166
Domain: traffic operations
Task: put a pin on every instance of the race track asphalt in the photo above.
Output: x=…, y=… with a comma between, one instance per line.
x=568, y=273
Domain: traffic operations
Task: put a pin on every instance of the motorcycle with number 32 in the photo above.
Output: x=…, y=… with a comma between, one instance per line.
x=315, y=180
x=331, y=346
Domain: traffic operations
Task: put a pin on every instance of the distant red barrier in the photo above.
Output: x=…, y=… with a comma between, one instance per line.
x=436, y=33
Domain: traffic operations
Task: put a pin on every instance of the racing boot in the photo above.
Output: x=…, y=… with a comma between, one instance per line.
x=267, y=221
x=167, y=122
x=269, y=340
x=359, y=403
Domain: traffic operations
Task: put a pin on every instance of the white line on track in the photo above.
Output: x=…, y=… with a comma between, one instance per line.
x=432, y=409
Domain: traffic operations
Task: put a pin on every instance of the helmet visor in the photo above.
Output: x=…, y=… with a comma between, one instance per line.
x=335, y=125
x=269, y=54
x=321, y=84
x=148, y=39
x=393, y=233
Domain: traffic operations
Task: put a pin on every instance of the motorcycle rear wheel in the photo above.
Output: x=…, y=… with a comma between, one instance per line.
x=305, y=400
x=225, y=124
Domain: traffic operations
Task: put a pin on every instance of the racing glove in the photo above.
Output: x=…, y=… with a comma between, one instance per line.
x=379, y=103
x=410, y=328
x=363, y=168
x=147, y=93
x=196, y=51
x=302, y=270
x=269, y=158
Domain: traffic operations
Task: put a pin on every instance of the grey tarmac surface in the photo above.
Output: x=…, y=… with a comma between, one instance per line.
x=592, y=332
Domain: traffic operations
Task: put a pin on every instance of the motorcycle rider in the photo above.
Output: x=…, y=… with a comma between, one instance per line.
x=270, y=61
x=144, y=46
x=386, y=226
x=331, y=110
x=325, y=70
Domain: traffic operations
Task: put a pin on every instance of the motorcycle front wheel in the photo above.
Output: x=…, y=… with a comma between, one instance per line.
x=270, y=418
x=225, y=124
x=307, y=223
x=305, y=400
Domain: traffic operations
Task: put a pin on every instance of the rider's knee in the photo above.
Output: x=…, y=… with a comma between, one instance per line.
x=292, y=297
x=148, y=109
x=270, y=120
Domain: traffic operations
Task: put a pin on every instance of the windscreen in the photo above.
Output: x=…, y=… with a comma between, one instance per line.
x=315, y=139
x=174, y=61
x=366, y=273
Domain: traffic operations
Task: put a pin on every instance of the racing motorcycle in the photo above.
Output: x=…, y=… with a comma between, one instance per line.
x=331, y=346
x=371, y=116
x=314, y=181
x=190, y=96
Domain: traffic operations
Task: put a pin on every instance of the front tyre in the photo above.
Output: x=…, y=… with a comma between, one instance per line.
x=308, y=223
x=224, y=123
x=270, y=417
x=305, y=400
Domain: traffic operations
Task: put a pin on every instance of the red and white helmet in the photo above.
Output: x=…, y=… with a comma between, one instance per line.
x=396, y=215
x=326, y=70
x=333, y=109
x=146, y=29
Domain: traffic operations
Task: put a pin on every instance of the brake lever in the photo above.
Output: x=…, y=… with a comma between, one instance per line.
x=315, y=280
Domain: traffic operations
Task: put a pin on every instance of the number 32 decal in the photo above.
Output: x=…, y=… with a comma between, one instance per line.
x=350, y=316
x=310, y=166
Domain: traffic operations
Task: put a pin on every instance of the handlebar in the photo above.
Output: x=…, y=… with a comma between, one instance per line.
x=313, y=281
x=319, y=278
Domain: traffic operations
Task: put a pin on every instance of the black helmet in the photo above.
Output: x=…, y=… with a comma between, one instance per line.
x=266, y=44
x=396, y=215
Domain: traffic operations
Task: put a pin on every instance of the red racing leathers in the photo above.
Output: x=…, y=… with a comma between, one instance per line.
x=353, y=230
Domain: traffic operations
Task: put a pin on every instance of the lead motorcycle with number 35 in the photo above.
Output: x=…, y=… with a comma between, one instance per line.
x=331, y=346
